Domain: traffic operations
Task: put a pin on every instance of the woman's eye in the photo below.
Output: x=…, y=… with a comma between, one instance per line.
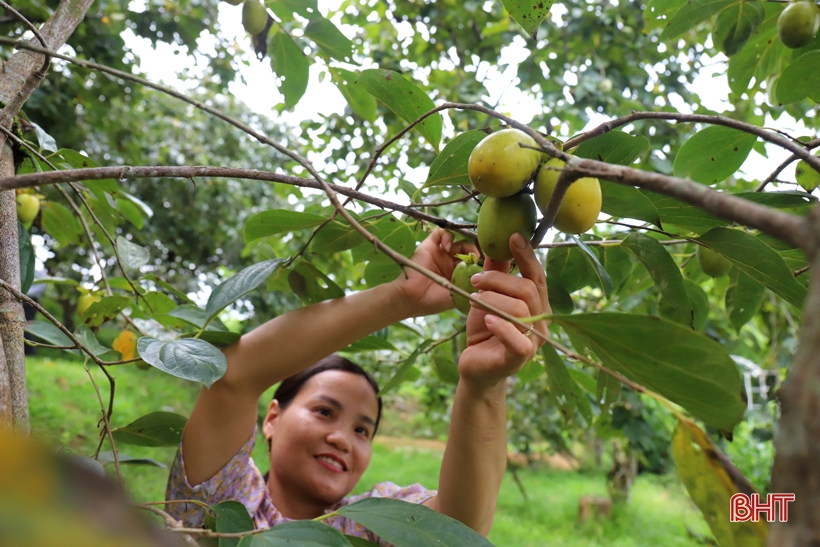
x=324, y=411
x=363, y=431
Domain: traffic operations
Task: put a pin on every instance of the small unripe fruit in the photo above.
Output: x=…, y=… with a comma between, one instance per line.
x=798, y=23
x=500, y=218
x=254, y=17
x=461, y=279
x=581, y=204
x=28, y=205
x=605, y=85
x=712, y=263
x=499, y=167
x=85, y=301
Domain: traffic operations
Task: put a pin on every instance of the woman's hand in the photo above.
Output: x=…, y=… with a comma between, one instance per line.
x=497, y=348
x=436, y=253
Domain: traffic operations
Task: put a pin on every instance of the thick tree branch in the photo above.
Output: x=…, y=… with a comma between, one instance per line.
x=127, y=172
x=33, y=28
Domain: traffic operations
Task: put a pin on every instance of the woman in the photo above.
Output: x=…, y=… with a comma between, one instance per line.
x=320, y=433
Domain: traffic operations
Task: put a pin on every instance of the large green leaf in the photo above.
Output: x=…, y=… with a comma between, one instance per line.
x=237, y=286
x=105, y=310
x=798, y=202
x=713, y=154
x=305, y=8
x=700, y=307
x=411, y=524
x=690, y=14
x=231, y=517
x=404, y=98
x=757, y=260
x=369, y=343
x=378, y=272
x=684, y=366
x=624, y=201
x=567, y=271
x=360, y=101
x=404, y=367
x=617, y=262
x=564, y=391
x=603, y=277
x=658, y=13
x=664, y=271
x=154, y=429
x=188, y=358
x=133, y=256
x=302, y=533
x=48, y=333
x=291, y=66
x=679, y=213
x=528, y=13
x=60, y=223
x=311, y=285
x=329, y=39
x=743, y=298
x=450, y=167
x=761, y=56
x=614, y=147
x=26, y=252
x=801, y=79
x=278, y=221
x=735, y=24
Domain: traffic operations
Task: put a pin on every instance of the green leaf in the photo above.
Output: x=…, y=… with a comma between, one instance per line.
x=658, y=13
x=806, y=176
x=335, y=237
x=278, y=221
x=799, y=202
x=165, y=285
x=60, y=223
x=231, y=517
x=713, y=154
x=105, y=310
x=356, y=541
x=735, y=24
x=664, y=271
x=684, y=366
x=369, y=343
x=329, y=39
x=360, y=101
x=800, y=80
x=304, y=533
x=305, y=8
x=624, y=201
x=761, y=56
x=378, y=272
x=614, y=147
x=158, y=302
x=189, y=358
x=450, y=167
x=607, y=390
x=26, y=252
x=402, y=523
x=90, y=341
x=690, y=14
x=75, y=160
x=290, y=65
x=237, y=286
x=563, y=389
x=311, y=285
x=107, y=458
x=700, y=307
x=219, y=338
x=617, y=262
x=528, y=13
x=133, y=256
x=404, y=367
x=131, y=212
x=603, y=277
x=154, y=429
x=48, y=333
x=757, y=260
x=743, y=298
x=404, y=98
x=192, y=314
x=567, y=271
x=679, y=213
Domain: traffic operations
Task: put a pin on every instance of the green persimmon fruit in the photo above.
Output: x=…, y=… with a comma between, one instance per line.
x=798, y=23
x=28, y=205
x=461, y=279
x=85, y=301
x=499, y=167
x=581, y=205
x=500, y=218
x=712, y=263
x=254, y=17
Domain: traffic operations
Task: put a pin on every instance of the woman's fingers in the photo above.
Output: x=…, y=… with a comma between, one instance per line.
x=507, y=304
x=530, y=267
x=518, y=346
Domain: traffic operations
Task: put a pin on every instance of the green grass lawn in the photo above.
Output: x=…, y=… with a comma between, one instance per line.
x=64, y=412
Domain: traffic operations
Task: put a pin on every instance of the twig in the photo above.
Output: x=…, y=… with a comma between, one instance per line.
x=47, y=61
x=647, y=228
x=801, y=270
x=773, y=176
x=106, y=423
x=468, y=197
x=604, y=242
x=565, y=180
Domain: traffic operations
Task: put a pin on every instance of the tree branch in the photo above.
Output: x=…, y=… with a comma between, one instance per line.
x=773, y=176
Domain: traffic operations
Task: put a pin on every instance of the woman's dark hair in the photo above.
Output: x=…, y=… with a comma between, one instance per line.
x=292, y=385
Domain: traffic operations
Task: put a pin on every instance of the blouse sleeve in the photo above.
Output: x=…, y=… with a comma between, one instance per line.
x=238, y=480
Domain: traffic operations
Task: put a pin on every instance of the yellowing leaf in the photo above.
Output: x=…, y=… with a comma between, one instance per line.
x=126, y=344
x=711, y=480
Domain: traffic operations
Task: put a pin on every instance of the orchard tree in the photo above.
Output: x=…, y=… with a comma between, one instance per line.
x=693, y=260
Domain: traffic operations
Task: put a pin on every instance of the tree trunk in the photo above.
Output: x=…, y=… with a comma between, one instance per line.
x=797, y=461
x=12, y=317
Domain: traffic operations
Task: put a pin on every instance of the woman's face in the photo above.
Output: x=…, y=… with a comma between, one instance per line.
x=321, y=443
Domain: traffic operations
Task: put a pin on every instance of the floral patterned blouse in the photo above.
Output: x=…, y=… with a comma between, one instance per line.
x=242, y=481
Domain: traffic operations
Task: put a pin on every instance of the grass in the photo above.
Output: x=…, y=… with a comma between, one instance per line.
x=64, y=412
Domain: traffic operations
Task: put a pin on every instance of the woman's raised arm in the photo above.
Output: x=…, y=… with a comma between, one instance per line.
x=476, y=454
x=224, y=415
